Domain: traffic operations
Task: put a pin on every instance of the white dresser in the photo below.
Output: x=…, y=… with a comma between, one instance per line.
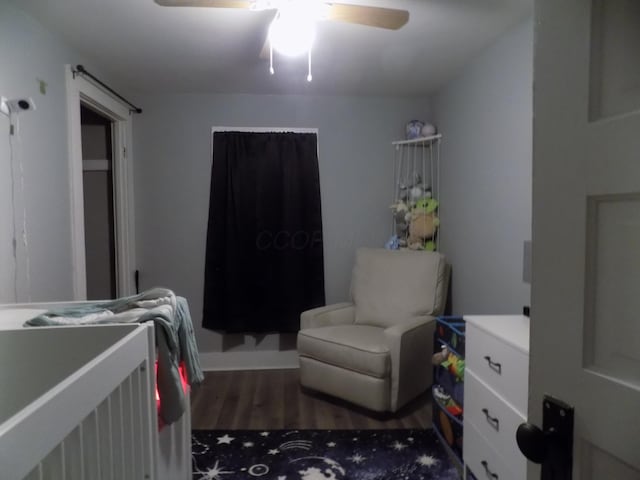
x=495, y=395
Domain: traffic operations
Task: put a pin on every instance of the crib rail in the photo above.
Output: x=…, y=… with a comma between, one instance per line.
x=98, y=423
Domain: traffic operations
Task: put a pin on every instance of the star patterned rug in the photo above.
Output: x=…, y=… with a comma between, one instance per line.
x=320, y=455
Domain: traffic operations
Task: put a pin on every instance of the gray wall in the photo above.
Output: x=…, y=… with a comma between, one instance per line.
x=29, y=52
x=173, y=168
x=486, y=117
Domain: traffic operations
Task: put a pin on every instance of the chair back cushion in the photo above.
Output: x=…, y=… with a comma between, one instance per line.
x=392, y=286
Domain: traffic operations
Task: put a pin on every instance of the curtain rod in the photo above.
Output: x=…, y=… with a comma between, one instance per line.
x=83, y=71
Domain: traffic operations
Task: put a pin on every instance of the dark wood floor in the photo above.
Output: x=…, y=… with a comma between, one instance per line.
x=273, y=399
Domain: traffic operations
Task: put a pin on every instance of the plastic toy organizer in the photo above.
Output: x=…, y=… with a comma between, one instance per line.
x=448, y=386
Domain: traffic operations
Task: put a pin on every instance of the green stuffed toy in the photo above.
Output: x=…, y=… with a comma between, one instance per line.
x=455, y=365
x=423, y=224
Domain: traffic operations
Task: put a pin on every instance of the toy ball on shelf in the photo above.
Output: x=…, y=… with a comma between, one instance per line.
x=414, y=129
x=428, y=130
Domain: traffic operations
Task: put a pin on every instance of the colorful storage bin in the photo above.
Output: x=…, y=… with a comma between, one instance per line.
x=448, y=387
x=447, y=426
x=450, y=331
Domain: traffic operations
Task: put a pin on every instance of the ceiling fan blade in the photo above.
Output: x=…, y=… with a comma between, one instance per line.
x=389, y=18
x=246, y=4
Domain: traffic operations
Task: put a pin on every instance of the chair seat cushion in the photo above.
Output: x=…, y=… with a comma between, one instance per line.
x=361, y=348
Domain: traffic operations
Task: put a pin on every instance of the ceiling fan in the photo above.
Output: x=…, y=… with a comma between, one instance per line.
x=292, y=30
x=388, y=18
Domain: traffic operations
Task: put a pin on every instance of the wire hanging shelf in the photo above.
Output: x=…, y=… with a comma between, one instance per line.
x=416, y=194
x=417, y=141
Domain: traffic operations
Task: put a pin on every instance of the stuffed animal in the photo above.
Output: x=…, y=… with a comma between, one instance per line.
x=413, y=129
x=427, y=204
x=455, y=365
x=400, y=214
x=441, y=356
x=392, y=244
x=399, y=206
x=428, y=130
x=423, y=224
x=416, y=192
x=422, y=228
x=403, y=192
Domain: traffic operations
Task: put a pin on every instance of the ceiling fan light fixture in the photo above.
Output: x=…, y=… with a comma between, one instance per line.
x=260, y=5
x=293, y=31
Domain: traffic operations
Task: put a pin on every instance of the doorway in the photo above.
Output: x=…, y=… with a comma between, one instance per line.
x=101, y=187
x=99, y=220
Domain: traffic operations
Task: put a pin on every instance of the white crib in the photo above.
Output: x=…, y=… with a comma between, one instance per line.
x=79, y=403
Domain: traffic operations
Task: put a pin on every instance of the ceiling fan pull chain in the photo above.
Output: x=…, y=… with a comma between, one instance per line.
x=271, y=70
x=309, y=77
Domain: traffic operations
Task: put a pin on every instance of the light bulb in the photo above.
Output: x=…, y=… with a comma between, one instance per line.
x=293, y=31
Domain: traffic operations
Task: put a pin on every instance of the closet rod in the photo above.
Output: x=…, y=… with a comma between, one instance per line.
x=83, y=71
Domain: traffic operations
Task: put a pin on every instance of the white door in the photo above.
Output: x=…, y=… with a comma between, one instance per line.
x=585, y=316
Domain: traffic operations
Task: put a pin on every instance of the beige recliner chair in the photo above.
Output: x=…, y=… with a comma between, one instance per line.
x=376, y=352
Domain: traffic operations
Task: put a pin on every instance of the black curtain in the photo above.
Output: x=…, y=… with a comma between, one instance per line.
x=264, y=257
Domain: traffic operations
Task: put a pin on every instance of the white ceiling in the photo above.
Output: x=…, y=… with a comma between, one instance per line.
x=145, y=47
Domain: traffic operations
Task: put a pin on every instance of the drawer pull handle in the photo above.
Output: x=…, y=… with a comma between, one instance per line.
x=493, y=421
x=489, y=473
x=494, y=365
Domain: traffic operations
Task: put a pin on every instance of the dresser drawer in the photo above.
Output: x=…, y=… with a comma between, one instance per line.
x=501, y=366
x=496, y=421
x=484, y=461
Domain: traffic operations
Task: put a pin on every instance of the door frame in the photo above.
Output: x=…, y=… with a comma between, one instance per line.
x=81, y=89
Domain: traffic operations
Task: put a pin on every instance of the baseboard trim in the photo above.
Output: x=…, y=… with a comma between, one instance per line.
x=256, y=360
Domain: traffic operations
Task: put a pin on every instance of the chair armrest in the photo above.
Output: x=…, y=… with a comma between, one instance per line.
x=336, y=314
x=411, y=348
